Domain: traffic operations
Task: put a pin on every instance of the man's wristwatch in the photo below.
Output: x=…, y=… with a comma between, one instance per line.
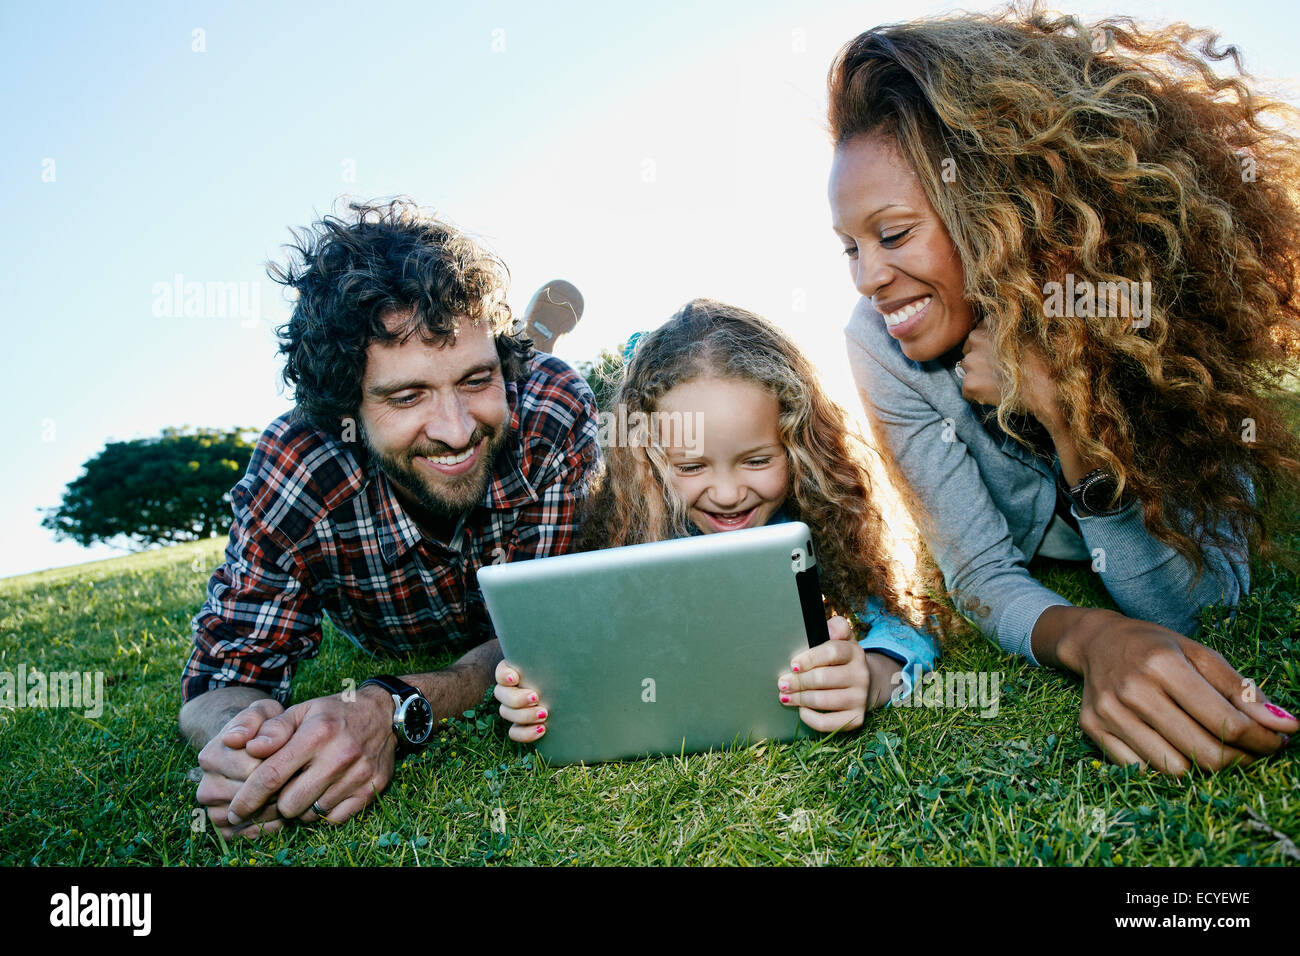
x=1094, y=492
x=412, y=714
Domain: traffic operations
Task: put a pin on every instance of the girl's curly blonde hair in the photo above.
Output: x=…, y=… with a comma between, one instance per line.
x=632, y=501
x=1113, y=154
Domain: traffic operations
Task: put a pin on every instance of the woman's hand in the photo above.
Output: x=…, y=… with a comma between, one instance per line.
x=522, y=706
x=1156, y=698
x=830, y=683
x=981, y=382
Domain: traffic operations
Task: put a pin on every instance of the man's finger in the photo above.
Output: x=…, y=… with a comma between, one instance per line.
x=245, y=725
x=272, y=774
x=359, y=778
x=219, y=815
x=223, y=761
x=321, y=774
x=215, y=789
x=255, y=831
x=349, y=808
x=273, y=734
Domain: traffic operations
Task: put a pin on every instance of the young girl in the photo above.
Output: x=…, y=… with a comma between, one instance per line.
x=772, y=447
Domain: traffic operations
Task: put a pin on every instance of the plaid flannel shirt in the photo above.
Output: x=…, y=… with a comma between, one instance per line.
x=318, y=529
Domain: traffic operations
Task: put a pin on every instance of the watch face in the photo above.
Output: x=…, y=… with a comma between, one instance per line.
x=417, y=720
x=1097, y=494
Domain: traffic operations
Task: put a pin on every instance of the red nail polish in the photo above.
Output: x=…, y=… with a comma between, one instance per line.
x=532, y=698
x=785, y=699
x=1277, y=711
x=541, y=730
x=784, y=685
x=795, y=668
x=541, y=715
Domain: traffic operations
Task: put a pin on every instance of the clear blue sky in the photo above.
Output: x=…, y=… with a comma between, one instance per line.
x=648, y=153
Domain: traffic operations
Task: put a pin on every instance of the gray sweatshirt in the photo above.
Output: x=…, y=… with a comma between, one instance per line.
x=992, y=501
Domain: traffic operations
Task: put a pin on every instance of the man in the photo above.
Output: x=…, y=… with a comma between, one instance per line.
x=427, y=440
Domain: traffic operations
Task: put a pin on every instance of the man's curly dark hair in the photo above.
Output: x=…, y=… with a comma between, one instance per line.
x=349, y=274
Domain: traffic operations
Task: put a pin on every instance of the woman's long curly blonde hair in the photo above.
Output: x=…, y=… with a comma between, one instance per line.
x=1114, y=153
x=830, y=490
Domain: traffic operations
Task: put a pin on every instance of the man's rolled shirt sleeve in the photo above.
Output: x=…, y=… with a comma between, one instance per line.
x=260, y=617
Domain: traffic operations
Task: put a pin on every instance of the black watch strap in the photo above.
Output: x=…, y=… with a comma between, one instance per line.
x=391, y=684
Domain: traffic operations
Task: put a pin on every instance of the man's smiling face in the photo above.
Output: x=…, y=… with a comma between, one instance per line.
x=436, y=416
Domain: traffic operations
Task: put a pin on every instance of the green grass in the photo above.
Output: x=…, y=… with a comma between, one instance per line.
x=918, y=786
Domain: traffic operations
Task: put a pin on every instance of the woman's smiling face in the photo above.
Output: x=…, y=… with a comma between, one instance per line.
x=900, y=254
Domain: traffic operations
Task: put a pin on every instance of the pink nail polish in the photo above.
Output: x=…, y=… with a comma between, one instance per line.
x=784, y=685
x=541, y=730
x=1277, y=711
x=532, y=698
x=795, y=668
x=541, y=715
x=785, y=699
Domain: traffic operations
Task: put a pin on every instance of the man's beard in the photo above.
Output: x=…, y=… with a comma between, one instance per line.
x=456, y=493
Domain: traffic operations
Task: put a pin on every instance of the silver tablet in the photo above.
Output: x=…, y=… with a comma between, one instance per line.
x=668, y=647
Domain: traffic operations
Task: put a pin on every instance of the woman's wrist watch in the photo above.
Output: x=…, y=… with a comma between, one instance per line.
x=1094, y=493
x=412, y=713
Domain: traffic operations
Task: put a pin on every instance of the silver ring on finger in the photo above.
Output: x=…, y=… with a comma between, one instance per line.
x=316, y=808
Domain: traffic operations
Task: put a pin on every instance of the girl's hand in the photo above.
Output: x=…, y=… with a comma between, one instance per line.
x=522, y=706
x=829, y=683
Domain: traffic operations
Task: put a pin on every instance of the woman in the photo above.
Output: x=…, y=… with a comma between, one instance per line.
x=1079, y=290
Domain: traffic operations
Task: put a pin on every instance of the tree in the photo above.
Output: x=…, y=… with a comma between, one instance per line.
x=163, y=490
x=603, y=375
